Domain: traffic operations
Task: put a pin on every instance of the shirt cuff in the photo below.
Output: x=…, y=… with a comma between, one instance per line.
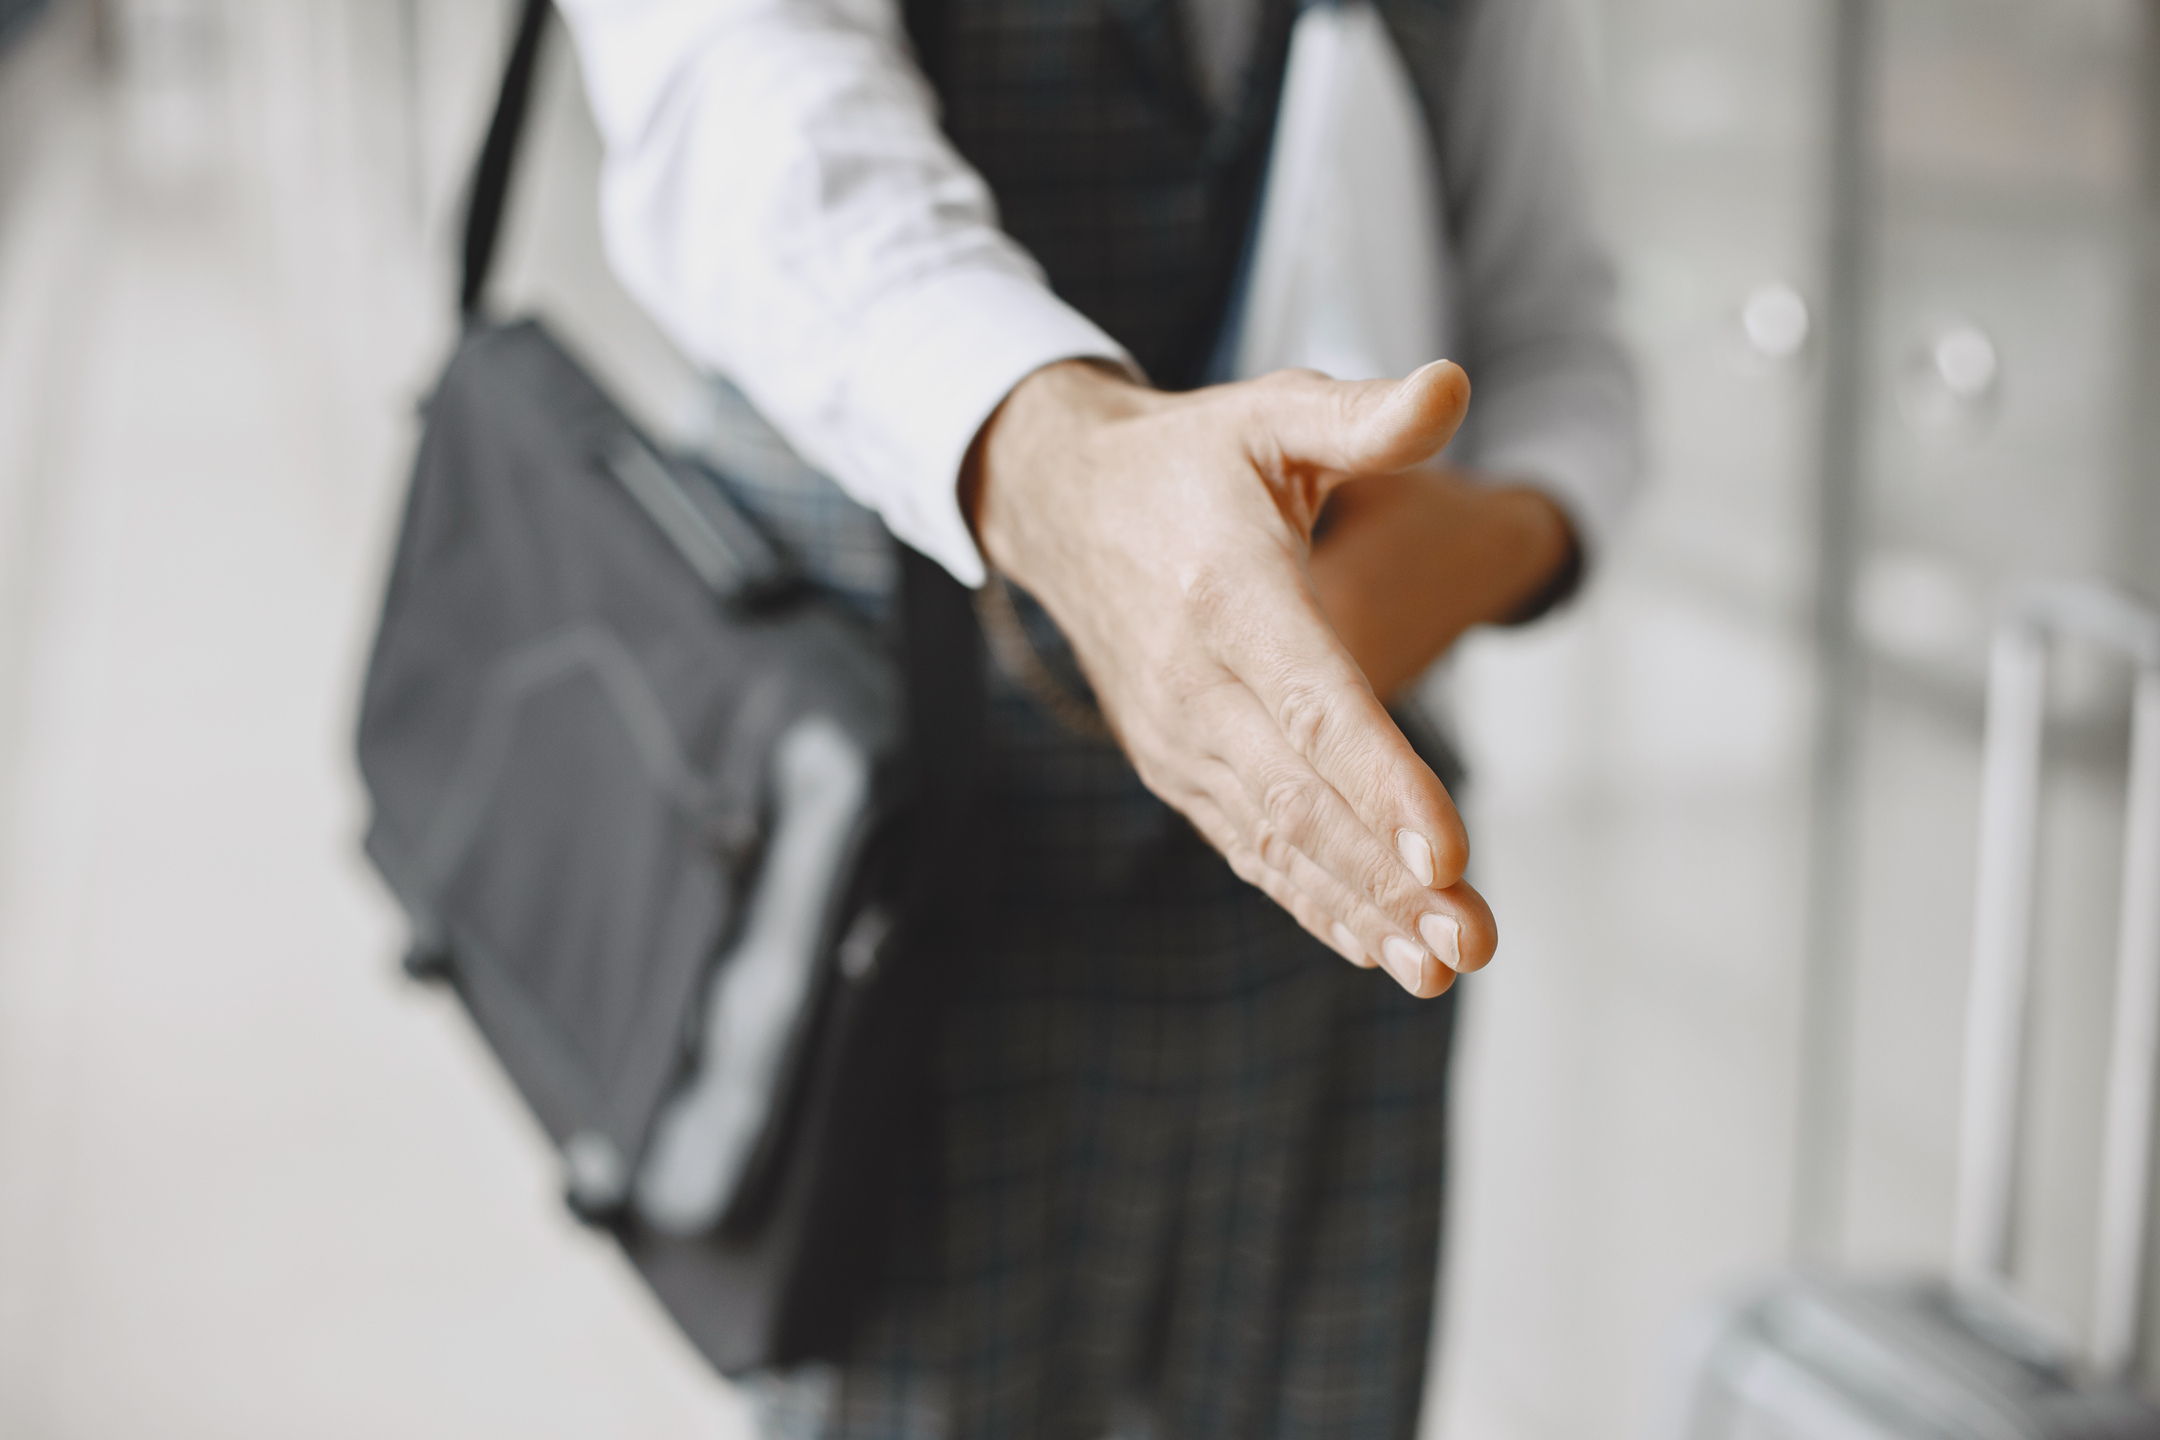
x=931, y=362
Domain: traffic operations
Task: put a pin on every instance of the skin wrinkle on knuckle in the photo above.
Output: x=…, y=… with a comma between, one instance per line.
x=1274, y=848
x=1307, y=715
x=1274, y=881
x=1290, y=808
x=1378, y=753
x=1394, y=894
x=1397, y=788
x=1229, y=594
x=1346, y=899
x=1205, y=586
x=1405, y=901
x=1372, y=929
x=1245, y=860
x=1202, y=698
x=1168, y=735
x=1215, y=773
x=1315, y=912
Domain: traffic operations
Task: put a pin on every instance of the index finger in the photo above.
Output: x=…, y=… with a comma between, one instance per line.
x=1288, y=656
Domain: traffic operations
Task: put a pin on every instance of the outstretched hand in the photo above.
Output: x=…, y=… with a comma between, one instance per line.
x=1168, y=536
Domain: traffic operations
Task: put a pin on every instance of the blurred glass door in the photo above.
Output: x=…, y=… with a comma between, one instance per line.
x=1640, y=768
x=2007, y=433
x=1646, y=1114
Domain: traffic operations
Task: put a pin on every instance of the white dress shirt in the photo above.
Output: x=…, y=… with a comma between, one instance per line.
x=778, y=194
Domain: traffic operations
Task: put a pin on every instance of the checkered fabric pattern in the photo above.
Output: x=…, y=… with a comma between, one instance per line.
x=1188, y=1183
x=1134, y=194
x=1189, y=1177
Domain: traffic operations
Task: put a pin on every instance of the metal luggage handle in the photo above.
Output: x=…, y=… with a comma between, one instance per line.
x=2002, y=956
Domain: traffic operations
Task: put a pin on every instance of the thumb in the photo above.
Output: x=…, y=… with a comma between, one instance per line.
x=1366, y=427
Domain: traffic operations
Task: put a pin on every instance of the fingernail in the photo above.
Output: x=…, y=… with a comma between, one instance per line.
x=1444, y=934
x=1348, y=944
x=1416, y=854
x=1405, y=962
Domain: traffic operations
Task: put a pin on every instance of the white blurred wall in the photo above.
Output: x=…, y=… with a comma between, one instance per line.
x=1637, y=1071
x=251, y=1184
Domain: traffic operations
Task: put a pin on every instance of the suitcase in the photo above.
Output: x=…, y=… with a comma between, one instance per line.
x=1831, y=1357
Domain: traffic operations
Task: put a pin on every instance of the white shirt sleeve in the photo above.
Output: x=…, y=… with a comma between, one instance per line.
x=778, y=194
x=1554, y=396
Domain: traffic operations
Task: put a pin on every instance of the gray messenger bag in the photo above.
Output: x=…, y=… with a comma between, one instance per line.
x=683, y=834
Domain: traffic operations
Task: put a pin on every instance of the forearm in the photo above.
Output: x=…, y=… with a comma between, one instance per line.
x=1412, y=561
x=779, y=196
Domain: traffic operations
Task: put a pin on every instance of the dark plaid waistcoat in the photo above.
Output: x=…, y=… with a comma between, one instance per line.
x=1135, y=196
x=1189, y=1176
x=1106, y=163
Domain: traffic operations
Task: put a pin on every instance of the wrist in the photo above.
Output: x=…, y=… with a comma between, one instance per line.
x=1047, y=416
x=1544, y=559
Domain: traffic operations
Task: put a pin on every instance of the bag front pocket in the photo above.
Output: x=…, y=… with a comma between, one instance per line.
x=581, y=894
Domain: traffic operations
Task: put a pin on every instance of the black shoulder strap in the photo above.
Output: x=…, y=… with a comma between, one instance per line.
x=491, y=178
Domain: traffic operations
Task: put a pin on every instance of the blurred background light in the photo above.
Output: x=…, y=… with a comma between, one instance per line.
x=1776, y=320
